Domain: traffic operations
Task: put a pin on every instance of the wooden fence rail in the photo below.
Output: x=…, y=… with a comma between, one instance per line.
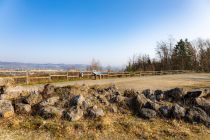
x=43, y=76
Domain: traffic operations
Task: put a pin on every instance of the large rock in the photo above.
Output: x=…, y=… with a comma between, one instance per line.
x=197, y=115
x=147, y=113
x=204, y=104
x=6, y=108
x=152, y=105
x=193, y=94
x=190, y=97
x=7, y=82
x=95, y=112
x=48, y=112
x=178, y=111
x=140, y=101
x=74, y=114
x=174, y=94
x=102, y=100
x=50, y=101
x=165, y=111
x=2, y=89
x=130, y=93
x=21, y=108
x=146, y=92
x=159, y=95
x=33, y=98
x=77, y=100
x=48, y=91
x=13, y=95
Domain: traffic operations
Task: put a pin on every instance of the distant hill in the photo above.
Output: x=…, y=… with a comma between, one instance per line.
x=29, y=66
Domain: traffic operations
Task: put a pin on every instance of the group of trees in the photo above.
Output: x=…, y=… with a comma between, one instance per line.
x=183, y=55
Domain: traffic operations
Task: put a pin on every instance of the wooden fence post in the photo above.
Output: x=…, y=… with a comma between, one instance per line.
x=50, y=78
x=27, y=77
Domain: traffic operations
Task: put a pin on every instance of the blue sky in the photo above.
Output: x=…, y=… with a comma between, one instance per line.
x=75, y=31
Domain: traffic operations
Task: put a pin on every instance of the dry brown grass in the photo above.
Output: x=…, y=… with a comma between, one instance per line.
x=112, y=126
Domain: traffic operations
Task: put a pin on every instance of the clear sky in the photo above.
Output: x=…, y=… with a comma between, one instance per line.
x=75, y=31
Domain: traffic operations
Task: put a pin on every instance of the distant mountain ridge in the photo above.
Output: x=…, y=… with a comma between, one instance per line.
x=30, y=66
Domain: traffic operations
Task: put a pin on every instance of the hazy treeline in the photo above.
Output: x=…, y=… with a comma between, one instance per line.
x=171, y=55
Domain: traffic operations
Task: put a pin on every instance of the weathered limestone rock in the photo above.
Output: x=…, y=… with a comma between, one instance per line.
x=48, y=91
x=152, y=105
x=21, y=108
x=178, y=111
x=140, y=101
x=74, y=114
x=159, y=95
x=33, y=98
x=6, y=109
x=50, y=101
x=77, y=100
x=7, y=82
x=95, y=112
x=197, y=115
x=147, y=113
x=174, y=94
x=204, y=104
x=165, y=111
x=48, y=112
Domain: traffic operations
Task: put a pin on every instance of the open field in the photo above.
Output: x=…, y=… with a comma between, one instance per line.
x=113, y=126
x=151, y=82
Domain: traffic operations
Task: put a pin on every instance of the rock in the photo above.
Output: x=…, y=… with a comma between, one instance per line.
x=159, y=95
x=206, y=94
x=192, y=95
x=165, y=111
x=74, y=114
x=147, y=113
x=152, y=97
x=197, y=115
x=102, y=100
x=130, y=93
x=21, y=108
x=146, y=92
x=2, y=89
x=178, y=111
x=77, y=100
x=119, y=99
x=152, y=105
x=48, y=91
x=14, y=95
x=140, y=101
x=95, y=112
x=204, y=104
x=50, y=101
x=6, y=109
x=48, y=112
x=7, y=82
x=113, y=109
x=174, y=94
x=33, y=98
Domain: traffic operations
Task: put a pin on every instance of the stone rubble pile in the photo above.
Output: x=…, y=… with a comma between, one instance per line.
x=73, y=103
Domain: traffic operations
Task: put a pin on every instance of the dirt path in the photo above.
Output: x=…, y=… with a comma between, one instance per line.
x=152, y=82
x=147, y=82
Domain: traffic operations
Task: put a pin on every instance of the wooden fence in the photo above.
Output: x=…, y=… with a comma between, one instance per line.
x=43, y=76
